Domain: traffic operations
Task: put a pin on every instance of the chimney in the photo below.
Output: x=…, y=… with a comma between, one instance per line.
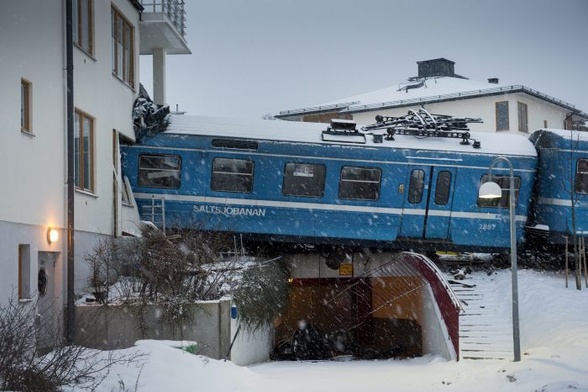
x=493, y=80
x=436, y=67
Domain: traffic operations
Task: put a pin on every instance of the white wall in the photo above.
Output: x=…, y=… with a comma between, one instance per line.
x=250, y=347
x=33, y=192
x=436, y=339
x=484, y=108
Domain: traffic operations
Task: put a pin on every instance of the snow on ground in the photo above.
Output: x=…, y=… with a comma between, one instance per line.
x=554, y=341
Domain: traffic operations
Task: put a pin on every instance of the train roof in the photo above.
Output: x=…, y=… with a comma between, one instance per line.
x=303, y=132
x=559, y=138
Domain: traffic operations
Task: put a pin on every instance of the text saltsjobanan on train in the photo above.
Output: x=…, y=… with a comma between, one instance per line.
x=406, y=182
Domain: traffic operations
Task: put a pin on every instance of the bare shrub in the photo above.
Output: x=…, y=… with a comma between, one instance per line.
x=24, y=368
x=262, y=293
x=170, y=270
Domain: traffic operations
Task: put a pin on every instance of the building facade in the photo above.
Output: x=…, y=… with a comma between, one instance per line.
x=437, y=88
x=35, y=214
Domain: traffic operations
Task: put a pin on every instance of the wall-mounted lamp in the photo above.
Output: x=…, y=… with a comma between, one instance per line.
x=52, y=235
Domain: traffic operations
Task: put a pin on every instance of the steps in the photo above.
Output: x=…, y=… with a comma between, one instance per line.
x=485, y=324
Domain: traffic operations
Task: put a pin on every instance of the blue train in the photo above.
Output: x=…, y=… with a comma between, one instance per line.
x=392, y=185
x=559, y=208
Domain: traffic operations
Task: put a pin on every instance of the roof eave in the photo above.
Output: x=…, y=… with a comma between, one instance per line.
x=460, y=96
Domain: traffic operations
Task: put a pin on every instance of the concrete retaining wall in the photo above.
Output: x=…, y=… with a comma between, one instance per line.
x=114, y=327
x=210, y=325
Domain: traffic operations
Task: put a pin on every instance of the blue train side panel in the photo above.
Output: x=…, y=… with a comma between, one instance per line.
x=279, y=181
x=560, y=206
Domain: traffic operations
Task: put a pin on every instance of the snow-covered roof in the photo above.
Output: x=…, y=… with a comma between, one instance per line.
x=300, y=132
x=567, y=134
x=421, y=91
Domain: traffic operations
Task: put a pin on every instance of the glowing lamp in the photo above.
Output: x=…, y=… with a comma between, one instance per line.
x=490, y=190
x=52, y=235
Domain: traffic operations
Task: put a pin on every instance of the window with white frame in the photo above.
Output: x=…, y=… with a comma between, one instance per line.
x=26, y=95
x=83, y=25
x=84, y=151
x=123, y=62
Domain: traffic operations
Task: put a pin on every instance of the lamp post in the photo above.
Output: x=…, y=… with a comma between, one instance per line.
x=491, y=190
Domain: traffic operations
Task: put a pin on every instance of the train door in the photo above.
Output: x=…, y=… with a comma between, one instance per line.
x=427, y=202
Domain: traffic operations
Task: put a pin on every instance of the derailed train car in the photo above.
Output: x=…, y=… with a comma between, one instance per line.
x=303, y=183
x=559, y=212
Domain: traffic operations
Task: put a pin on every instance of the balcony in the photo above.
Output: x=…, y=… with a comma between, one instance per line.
x=163, y=26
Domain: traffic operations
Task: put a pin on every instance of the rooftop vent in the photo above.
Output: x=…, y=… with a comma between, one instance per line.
x=493, y=80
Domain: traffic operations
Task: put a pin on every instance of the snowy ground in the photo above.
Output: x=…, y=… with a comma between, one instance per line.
x=554, y=341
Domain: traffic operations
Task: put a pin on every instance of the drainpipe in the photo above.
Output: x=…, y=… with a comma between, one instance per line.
x=70, y=313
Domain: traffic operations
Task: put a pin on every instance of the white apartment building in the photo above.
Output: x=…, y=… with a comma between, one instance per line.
x=40, y=237
x=437, y=88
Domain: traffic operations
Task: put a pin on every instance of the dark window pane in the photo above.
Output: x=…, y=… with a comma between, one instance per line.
x=360, y=183
x=582, y=176
x=442, y=188
x=162, y=171
x=502, y=116
x=523, y=118
x=232, y=175
x=416, y=186
x=302, y=179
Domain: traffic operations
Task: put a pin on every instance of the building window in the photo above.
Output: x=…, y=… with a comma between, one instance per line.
x=360, y=183
x=26, y=95
x=232, y=175
x=502, y=116
x=160, y=171
x=84, y=151
x=123, y=63
x=523, y=117
x=582, y=176
x=24, y=271
x=83, y=25
x=302, y=179
x=503, y=201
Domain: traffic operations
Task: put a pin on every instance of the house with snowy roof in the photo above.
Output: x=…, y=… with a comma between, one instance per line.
x=69, y=81
x=437, y=88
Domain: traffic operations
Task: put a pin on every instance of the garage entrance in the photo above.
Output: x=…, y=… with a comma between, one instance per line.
x=392, y=306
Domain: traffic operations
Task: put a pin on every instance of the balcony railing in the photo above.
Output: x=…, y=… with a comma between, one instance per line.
x=174, y=9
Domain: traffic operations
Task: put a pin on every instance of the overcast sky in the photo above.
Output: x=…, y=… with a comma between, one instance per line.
x=256, y=57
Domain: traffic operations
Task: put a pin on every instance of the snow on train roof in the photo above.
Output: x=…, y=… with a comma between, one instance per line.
x=295, y=131
x=567, y=134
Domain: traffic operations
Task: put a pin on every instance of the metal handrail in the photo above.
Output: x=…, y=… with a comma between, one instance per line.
x=174, y=9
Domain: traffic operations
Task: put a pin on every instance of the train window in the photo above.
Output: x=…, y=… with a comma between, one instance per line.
x=161, y=171
x=442, y=188
x=232, y=175
x=234, y=143
x=416, y=186
x=304, y=179
x=360, y=183
x=504, y=182
x=582, y=176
